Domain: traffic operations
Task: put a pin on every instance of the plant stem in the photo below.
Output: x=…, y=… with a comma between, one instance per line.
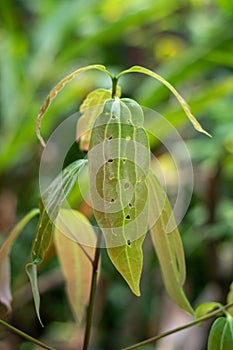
x=174, y=330
x=25, y=335
x=90, y=307
x=114, y=86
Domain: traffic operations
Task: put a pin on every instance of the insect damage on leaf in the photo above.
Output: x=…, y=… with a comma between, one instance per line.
x=119, y=161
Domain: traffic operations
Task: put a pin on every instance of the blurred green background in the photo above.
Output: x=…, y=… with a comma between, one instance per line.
x=190, y=43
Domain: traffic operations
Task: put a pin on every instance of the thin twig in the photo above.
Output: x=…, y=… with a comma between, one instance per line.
x=25, y=335
x=90, y=307
x=174, y=330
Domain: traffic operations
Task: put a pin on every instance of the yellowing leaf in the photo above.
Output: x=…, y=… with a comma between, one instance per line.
x=5, y=292
x=91, y=108
x=128, y=260
x=75, y=259
x=168, y=246
x=53, y=93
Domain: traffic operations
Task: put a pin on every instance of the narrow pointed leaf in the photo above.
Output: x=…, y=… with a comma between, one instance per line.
x=183, y=103
x=53, y=93
x=91, y=108
x=221, y=334
x=230, y=299
x=168, y=246
x=119, y=160
x=5, y=291
x=31, y=270
x=75, y=259
x=51, y=201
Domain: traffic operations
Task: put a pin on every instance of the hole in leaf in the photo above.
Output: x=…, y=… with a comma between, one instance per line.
x=130, y=205
x=124, y=160
x=128, y=217
x=110, y=160
x=109, y=138
x=112, y=200
x=128, y=242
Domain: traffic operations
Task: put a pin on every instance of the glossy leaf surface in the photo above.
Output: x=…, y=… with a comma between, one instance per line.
x=221, y=334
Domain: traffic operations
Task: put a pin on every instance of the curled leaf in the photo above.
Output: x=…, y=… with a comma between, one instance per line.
x=183, y=103
x=53, y=93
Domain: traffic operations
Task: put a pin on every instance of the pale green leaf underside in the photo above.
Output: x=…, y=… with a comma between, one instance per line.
x=168, y=246
x=76, y=266
x=117, y=173
x=183, y=103
x=128, y=260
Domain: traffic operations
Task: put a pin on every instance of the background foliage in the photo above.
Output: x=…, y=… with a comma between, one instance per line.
x=190, y=43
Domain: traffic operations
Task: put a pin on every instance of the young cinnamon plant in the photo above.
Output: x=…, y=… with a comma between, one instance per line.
x=128, y=203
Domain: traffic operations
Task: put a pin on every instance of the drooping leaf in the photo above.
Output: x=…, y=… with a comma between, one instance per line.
x=91, y=108
x=183, y=103
x=31, y=269
x=75, y=258
x=168, y=246
x=230, y=299
x=53, y=93
x=51, y=201
x=118, y=166
x=5, y=291
x=205, y=308
x=221, y=334
x=128, y=260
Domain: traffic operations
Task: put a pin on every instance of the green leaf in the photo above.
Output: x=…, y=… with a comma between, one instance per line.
x=75, y=258
x=53, y=93
x=91, y=108
x=205, y=308
x=5, y=291
x=51, y=202
x=221, y=334
x=230, y=299
x=128, y=260
x=183, y=103
x=119, y=161
x=31, y=270
x=52, y=199
x=168, y=246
